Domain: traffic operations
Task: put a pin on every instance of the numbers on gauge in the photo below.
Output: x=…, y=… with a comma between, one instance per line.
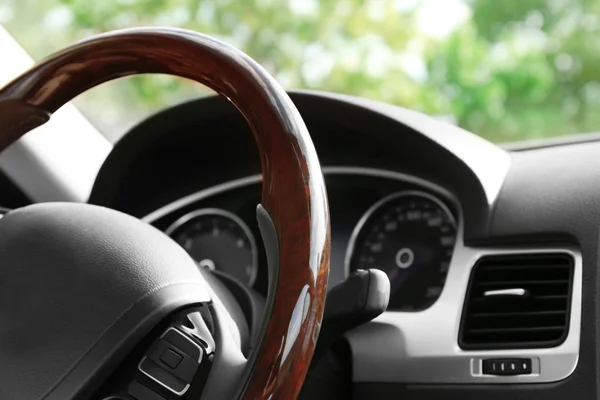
x=218, y=240
x=410, y=236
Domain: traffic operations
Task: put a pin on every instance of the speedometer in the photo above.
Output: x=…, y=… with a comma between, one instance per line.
x=218, y=240
x=410, y=236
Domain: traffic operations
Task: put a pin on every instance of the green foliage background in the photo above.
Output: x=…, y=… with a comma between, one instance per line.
x=512, y=70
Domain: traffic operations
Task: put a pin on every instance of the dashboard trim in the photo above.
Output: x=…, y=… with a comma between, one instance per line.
x=422, y=347
x=337, y=170
x=426, y=343
x=200, y=195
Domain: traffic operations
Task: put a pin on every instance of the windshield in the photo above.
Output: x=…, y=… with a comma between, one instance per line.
x=506, y=70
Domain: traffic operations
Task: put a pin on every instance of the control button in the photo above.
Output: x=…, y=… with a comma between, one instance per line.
x=490, y=367
x=171, y=358
x=507, y=367
x=164, y=378
x=185, y=367
x=141, y=392
x=525, y=366
x=183, y=343
x=172, y=361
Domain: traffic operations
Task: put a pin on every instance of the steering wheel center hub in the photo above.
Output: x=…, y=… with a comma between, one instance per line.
x=79, y=284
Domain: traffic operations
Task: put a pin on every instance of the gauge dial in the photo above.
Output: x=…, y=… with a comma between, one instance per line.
x=218, y=240
x=410, y=236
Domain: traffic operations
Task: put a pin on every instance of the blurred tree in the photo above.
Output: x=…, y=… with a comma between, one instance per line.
x=507, y=71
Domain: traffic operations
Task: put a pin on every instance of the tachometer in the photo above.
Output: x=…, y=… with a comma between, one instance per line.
x=218, y=240
x=410, y=236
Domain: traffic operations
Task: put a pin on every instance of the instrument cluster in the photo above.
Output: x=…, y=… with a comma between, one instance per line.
x=399, y=224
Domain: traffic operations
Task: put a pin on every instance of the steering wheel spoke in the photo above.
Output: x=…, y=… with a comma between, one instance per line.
x=174, y=360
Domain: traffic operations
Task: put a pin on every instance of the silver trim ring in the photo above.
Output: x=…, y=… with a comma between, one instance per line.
x=225, y=214
x=422, y=348
x=257, y=178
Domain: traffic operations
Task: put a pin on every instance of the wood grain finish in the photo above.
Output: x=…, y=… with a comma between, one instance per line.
x=293, y=190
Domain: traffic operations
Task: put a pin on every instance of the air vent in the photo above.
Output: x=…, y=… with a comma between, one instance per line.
x=515, y=302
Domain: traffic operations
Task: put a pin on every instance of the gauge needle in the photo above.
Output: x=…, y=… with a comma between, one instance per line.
x=392, y=274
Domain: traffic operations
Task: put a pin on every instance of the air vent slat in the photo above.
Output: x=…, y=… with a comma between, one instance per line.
x=535, y=314
x=522, y=282
x=537, y=298
x=516, y=330
x=525, y=266
x=516, y=313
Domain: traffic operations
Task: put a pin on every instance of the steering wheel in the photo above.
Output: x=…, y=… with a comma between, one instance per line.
x=97, y=304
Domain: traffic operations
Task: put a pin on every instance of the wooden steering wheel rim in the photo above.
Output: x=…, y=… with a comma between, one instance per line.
x=293, y=187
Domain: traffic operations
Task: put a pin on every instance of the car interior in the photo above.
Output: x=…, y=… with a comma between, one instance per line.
x=264, y=243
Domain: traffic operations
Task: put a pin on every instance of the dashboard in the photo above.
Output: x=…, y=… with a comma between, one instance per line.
x=492, y=254
x=379, y=219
